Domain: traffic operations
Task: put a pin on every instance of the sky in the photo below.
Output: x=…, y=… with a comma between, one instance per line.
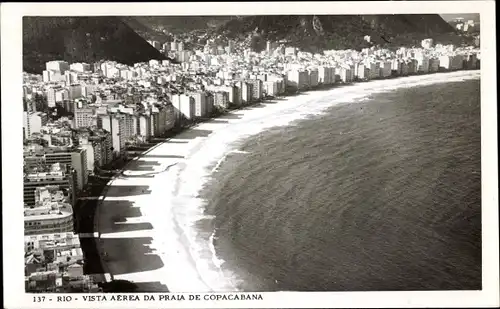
x=466, y=16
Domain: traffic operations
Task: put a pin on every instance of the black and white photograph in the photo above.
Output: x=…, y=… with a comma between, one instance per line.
x=222, y=155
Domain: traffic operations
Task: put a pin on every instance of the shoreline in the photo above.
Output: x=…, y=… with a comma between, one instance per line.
x=182, y=164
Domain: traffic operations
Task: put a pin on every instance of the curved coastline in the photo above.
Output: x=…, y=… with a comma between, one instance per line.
x=152, y=242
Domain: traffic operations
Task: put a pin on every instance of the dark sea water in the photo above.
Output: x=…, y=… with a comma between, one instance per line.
x=383, y=194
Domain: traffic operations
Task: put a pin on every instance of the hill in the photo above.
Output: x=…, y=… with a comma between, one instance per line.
x=178, y=24
x=318, y=32
x=82, y=39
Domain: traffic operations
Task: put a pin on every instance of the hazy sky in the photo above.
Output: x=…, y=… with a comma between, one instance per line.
x=449, y=17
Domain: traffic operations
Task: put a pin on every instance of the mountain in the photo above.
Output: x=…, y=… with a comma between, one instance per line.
x=82, y=39
x=178, y=24
x=317, y=32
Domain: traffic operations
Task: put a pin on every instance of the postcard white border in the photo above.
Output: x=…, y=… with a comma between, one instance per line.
x=11, y=64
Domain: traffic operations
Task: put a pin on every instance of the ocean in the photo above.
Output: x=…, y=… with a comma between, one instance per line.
x=378, y=195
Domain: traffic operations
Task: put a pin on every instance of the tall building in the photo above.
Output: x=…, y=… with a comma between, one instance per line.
x=121, y=128
x=256, y=89
x=53, y=217
x=101, y=142
x=61, y=95
x=210, y=104
x=238, y=85
x=433, y=65
x=176, y=103
x=345, y=74
x=445, y=62
x=80, y=67
x=187, y=106
x=70, y=77
x=298, y=79
x=79, y=163
x=74, y=91
x=326, y=75
x=246, y=92
x=54, y=177
x=385, y=69
x=271, y=88
x=84, y=117
x=144, y=126
x=58, y=66
x=85, y=143
x=422, y=63
x=221, y=99
x=200, y=101
x=231, y=91
x=70, y=157
x=373, y=69
x=33, y=122
x=313, y=77
x=51, y=96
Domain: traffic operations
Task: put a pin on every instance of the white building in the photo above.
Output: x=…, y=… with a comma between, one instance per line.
x=80, y=67
x=200, y=101
x=326, y=75
x=84, y=117
x=313, y=77
x=271, y=88
x=58, y=66
x=298, y=79
x=33, y=122
x=53, y=217
x=79, y=163
x=121, y=128
x=187, y=106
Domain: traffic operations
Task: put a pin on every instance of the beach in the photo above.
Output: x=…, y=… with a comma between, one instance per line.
x=149, y=216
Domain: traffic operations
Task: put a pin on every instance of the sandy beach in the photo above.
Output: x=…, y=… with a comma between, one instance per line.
x=146, y=217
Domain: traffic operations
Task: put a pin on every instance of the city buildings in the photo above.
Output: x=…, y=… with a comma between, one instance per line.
x=49, y=218
x=33, y=122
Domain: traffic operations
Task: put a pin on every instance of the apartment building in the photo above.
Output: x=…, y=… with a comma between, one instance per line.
x=121, y=128
x=53, y=217
x=66, y=181
x=79, y=164
x=313, y=77
x=298, y=79
x=200, y=102
x=256, y=89
x=246, y=92
x=221, y=99
x=84, y=117
x=58, y=66
x=326, y=75
x=270, y=88
x=187, y=106
x=33, y=122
